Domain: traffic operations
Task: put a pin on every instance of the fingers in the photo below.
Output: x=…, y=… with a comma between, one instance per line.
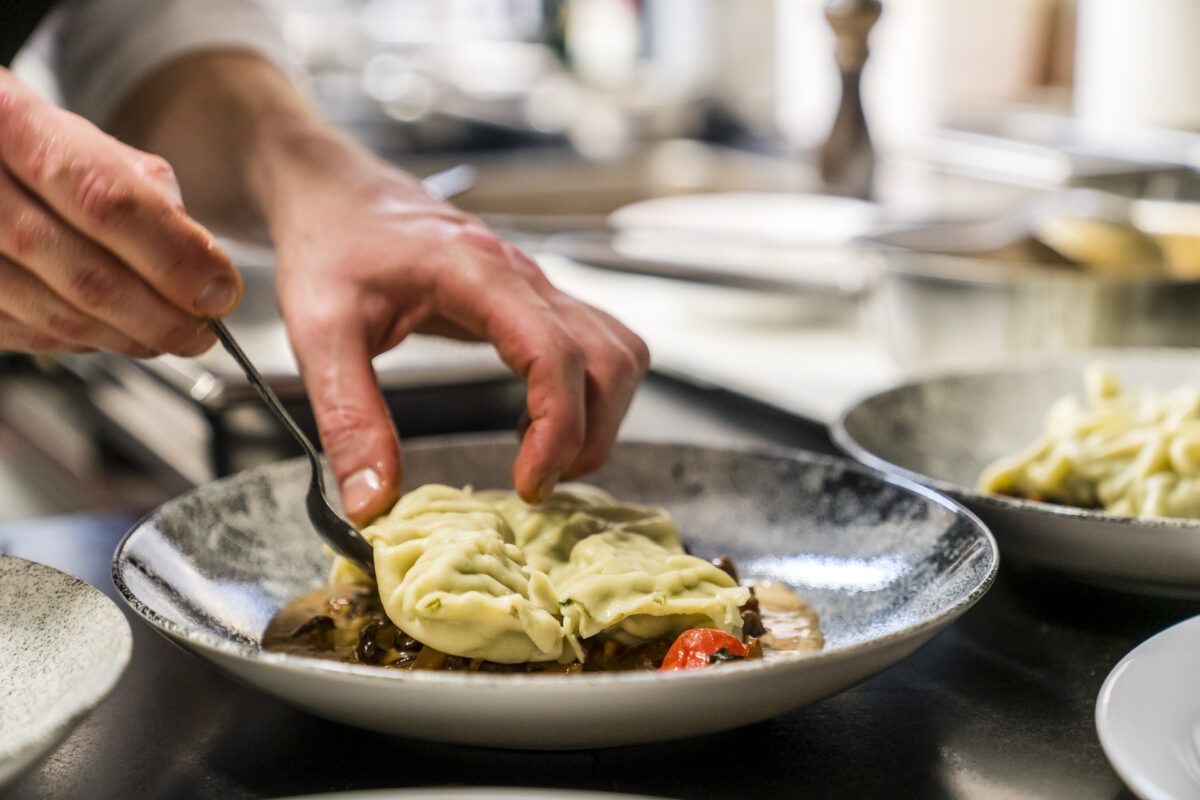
x=580, y=365
x=353, y=421
x=615, y=360
x=125, y=202
x=67, y=286
x=618, y=362
x=486, y=291
x=19, y=337
x=50, y=323
x=556, y=403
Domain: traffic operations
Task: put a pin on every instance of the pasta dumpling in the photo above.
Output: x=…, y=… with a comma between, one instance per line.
x=484, y=575
x=633, y=589
x=548, y=532
x=450, y=576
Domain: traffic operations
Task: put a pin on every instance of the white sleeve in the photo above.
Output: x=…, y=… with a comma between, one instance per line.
x=104, y=47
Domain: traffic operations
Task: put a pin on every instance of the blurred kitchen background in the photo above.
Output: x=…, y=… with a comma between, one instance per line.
x=794, y=202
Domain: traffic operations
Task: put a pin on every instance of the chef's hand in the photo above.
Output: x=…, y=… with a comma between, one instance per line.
x=96, y=251
x=366, y=257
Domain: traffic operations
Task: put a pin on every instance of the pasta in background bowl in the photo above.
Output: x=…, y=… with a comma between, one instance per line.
x=1133, y=452
x=887, y=564
x=945, y=431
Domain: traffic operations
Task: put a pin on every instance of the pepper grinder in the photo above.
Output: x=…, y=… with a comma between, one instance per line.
x=847, y=158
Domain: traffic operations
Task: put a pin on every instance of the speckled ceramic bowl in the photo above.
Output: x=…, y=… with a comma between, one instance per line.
x=63, y=645
x=473, y=793
x=887, y=565
x=943, y=431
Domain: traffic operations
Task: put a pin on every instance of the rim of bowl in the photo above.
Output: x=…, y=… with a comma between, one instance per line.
x=1073, y=359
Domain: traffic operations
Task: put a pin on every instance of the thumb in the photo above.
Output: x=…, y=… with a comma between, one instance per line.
x=355, y=426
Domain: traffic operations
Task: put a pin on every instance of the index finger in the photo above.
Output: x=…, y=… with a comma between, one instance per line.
x=88, y=179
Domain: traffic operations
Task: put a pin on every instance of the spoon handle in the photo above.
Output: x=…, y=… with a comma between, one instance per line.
x=338, y=533
x=260, y=385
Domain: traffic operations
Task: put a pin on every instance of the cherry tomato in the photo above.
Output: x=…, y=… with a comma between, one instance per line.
x=695, y=647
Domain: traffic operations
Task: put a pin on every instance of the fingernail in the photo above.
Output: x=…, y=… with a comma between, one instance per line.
x=216, y=298
x=546, y=487
x=359, y=489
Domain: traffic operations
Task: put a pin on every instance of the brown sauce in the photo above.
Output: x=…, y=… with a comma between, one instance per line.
x=351, y=626
x=791, y=625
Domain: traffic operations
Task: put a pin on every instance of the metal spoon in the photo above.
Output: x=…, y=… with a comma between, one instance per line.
x=337, y=532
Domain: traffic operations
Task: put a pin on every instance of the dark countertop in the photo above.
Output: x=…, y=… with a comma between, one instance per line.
x=998, y=705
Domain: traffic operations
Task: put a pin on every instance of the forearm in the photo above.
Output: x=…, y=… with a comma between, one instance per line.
x=243, y=140
x=208, y=114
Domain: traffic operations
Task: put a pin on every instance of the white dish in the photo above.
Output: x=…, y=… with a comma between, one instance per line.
x=887, y=565
x=942, y=431
x=776, y=217
x=787, y=244
x=63, y=645
x=1148, y=715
